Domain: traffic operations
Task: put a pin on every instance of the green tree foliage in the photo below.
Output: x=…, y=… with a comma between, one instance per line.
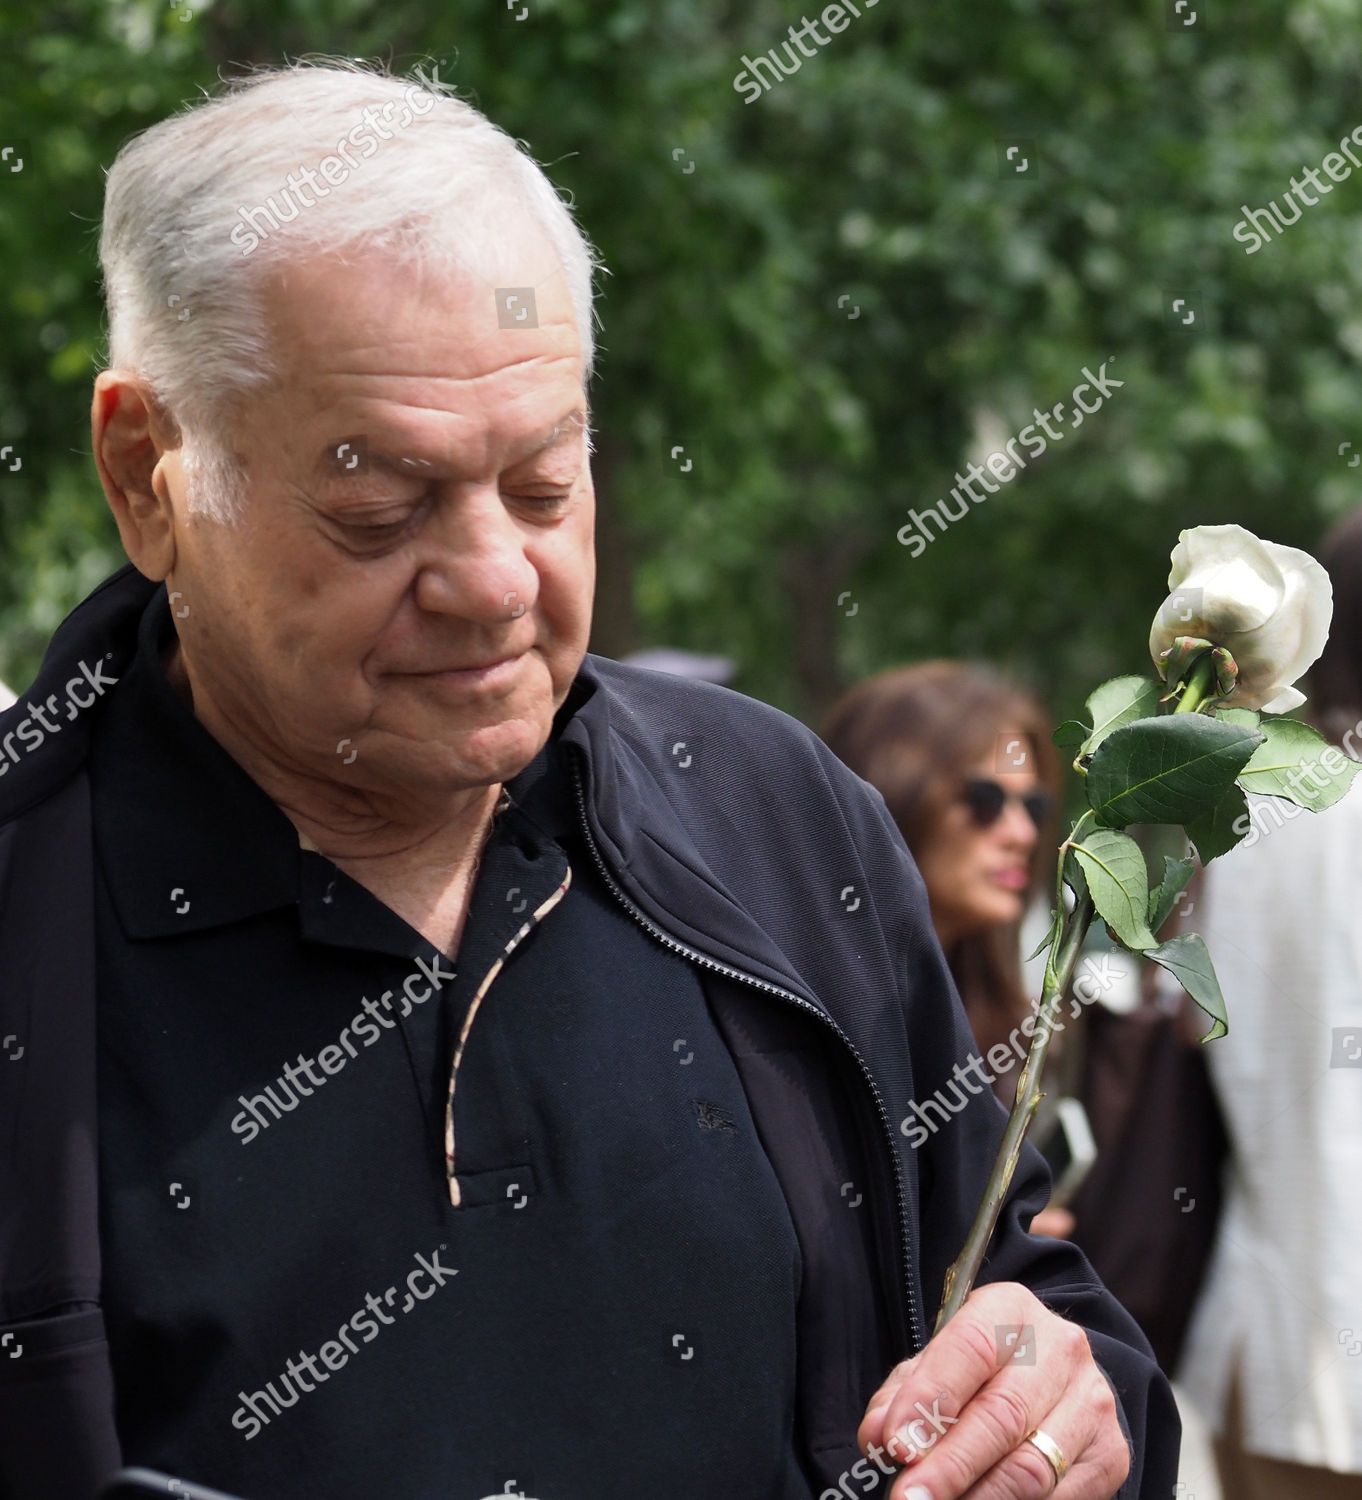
x=829, y=297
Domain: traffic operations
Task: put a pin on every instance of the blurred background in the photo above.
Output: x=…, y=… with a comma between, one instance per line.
x=822, y=302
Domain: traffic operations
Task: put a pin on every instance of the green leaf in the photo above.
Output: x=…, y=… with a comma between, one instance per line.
x=1164, y=897
x=1118, y=702
x=1188, y=960
x=1114, y=866
x=1070, y=734
x=1074, y=877
x=1171, y=769
x=1298, y=763
x=1249, y=718
x=1217, y=832
x=1048, y=938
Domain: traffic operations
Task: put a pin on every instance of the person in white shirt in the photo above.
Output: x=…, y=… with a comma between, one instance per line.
x=1274, y=1354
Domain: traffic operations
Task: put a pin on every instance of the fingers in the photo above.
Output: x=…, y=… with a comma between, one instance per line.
x=892, y=1382
x=950, y=1449
x=872, y=1424
x=997, y=1327
x=1103, y=1466
x=1025, y=1473
x=958, y=1415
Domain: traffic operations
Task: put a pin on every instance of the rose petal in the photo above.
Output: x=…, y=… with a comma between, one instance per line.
x=1283, y=703
x=1269, y=605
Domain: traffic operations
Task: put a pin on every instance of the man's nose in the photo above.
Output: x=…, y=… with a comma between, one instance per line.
x=476, y=566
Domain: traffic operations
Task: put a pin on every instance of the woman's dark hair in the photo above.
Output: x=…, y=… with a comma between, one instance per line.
x=916, y=734
x=1335, y=699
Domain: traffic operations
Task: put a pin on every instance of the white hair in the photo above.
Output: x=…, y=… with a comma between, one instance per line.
x=195, y=211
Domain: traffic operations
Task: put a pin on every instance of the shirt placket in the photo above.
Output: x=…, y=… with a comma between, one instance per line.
x=475, y=1005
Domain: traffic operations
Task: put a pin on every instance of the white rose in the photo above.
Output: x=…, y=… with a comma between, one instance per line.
x=1268, y=605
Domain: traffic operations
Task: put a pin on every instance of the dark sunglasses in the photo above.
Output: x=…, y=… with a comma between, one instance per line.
x=986, y=799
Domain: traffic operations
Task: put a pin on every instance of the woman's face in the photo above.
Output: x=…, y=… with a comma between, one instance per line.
x=978, y=866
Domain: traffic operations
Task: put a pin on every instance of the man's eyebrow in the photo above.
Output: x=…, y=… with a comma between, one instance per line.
x=335, y=457
x=574, y=421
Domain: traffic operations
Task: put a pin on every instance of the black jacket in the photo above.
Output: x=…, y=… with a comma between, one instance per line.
x=732, y=834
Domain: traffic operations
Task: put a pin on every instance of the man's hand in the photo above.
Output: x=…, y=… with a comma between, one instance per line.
x=959, y=1414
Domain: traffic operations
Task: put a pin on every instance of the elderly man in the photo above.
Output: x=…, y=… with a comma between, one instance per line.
x=441, y=1062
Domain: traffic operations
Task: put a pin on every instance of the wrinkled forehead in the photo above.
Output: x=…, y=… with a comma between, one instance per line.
x=435, y=360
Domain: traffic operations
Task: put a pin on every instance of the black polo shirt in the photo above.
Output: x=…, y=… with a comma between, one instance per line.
x=572, y=1275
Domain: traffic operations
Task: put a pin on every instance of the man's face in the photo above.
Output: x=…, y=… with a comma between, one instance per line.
x=363, y=582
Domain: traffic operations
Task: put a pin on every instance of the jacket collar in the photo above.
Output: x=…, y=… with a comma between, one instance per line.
x=627, y=762
x=99, y=634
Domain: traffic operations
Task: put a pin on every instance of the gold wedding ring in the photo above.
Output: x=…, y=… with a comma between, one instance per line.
x=1052, y=1451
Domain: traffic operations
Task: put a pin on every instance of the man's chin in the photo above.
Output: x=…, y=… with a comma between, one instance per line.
x=479, y=757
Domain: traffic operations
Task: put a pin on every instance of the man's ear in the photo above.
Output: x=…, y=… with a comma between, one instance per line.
x=136, y=449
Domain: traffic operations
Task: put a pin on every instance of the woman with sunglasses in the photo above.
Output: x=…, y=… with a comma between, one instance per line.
x=966, y=766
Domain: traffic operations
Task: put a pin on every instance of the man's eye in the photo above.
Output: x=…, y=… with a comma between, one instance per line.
x=372, y=527
x=383, y=515
x=373, y=532
x=544, y=502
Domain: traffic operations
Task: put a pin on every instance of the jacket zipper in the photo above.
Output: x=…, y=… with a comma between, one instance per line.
x=705, y=961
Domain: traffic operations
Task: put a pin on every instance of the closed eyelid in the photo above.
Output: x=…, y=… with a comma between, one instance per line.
x=536, y=470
